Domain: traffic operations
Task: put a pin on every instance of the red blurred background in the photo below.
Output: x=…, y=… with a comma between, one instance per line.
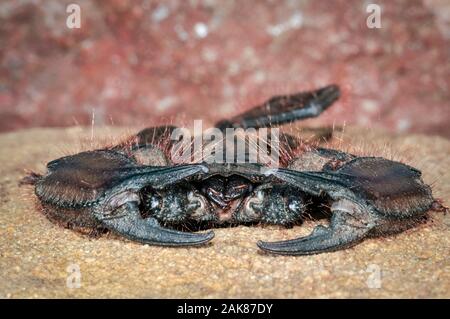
x=147, y=62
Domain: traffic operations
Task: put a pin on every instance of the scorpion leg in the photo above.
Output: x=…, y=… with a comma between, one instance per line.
x=152, y=135
x=150, y=146
x=148, y=136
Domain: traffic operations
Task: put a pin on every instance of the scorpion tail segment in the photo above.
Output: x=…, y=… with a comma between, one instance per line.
x=339, y=235
x=127, y=221
x=285, y=109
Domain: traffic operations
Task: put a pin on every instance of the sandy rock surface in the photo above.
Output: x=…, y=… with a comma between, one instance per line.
x=37, y=258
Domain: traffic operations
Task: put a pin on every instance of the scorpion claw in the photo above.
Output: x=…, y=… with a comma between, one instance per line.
x=130, y=224
x=323, y=239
